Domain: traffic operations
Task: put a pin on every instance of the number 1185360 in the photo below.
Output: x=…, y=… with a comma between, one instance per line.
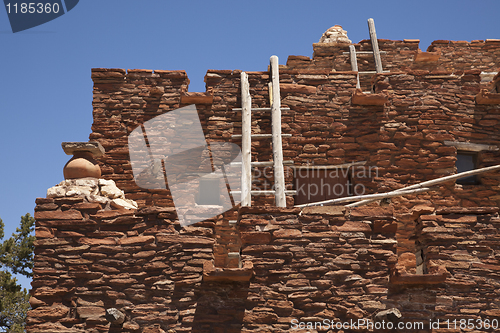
x=32, y=8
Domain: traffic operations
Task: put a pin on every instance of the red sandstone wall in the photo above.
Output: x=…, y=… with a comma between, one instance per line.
x=89, y=260
x=321, y=263
x=143, y=263
x=427, y=103
x=122, y=101
x=402, y=56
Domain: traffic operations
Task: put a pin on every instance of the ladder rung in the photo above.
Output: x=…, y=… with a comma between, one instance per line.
x=268, y=192
x=372, y=72
x=266, y=163
x=269, y=163
x=261, y=109
x=365, y=52
x=260, y=136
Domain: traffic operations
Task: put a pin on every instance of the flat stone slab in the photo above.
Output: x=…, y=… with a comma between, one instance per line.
x=94, y=147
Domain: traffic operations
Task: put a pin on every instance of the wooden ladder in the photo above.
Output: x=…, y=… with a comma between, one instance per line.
x=376, y=54
x=276, y=135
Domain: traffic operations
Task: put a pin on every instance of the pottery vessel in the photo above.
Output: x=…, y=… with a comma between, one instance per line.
x=82, y=165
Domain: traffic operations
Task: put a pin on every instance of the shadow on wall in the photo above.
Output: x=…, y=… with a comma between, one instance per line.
x=220, y=307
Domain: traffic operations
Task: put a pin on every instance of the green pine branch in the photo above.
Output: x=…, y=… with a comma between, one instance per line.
x=16, y=256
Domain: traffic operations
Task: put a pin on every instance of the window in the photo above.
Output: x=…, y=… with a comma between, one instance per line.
x=468, y=158
x=419, y=256
x=466, y=162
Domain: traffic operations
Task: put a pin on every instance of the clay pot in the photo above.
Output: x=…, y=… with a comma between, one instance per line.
x=81, y=165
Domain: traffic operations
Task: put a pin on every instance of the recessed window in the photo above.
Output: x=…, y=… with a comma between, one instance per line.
x=467, y=162
x=419, y=256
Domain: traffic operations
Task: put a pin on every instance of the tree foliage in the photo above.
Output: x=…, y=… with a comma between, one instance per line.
x=16, y=256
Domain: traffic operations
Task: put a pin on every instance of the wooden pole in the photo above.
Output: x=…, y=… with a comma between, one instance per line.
x=376, y=52
x=433, y=182
x=279, y=174
x=246, y=142
x=375, y=196
x=354, y=63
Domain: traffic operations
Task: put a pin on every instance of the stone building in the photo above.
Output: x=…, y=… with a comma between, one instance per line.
x=429, y=258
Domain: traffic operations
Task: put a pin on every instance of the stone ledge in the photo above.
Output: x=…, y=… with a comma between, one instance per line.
x=324, y=210
x=401, y=278
x=486, y=98
x=196, y=98
x=468, y=146
x=268, y=209
x=372, y=211
x=216, y=274
x=360, y=98
x=93, y=147
x=466, y=210
x=426, y=56
x=297, y=88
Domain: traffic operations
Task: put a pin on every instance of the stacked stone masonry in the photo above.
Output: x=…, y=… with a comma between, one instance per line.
x=428, y=256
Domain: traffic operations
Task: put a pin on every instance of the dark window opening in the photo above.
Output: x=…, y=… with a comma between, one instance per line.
x=421, y=268
x=467, y=162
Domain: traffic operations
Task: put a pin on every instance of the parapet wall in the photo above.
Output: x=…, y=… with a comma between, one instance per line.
x=309, y=265
x=406, y=55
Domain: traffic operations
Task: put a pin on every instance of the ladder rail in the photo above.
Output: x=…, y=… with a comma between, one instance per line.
x=374, y=40
x=279, y=174
x=246, y=142
x=354, y=64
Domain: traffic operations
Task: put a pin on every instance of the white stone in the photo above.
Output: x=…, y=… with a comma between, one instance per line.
x=56, y=192
x=105, y=182
x=90, y=182
x=335, y=35
x=112, y=192
x=124, y=203
x=98, y=199
x=78, y=191
x=67, y=182
x=487, y=76
x=88, y=187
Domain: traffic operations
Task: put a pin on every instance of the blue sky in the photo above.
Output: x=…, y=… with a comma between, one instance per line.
x=45, y=84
